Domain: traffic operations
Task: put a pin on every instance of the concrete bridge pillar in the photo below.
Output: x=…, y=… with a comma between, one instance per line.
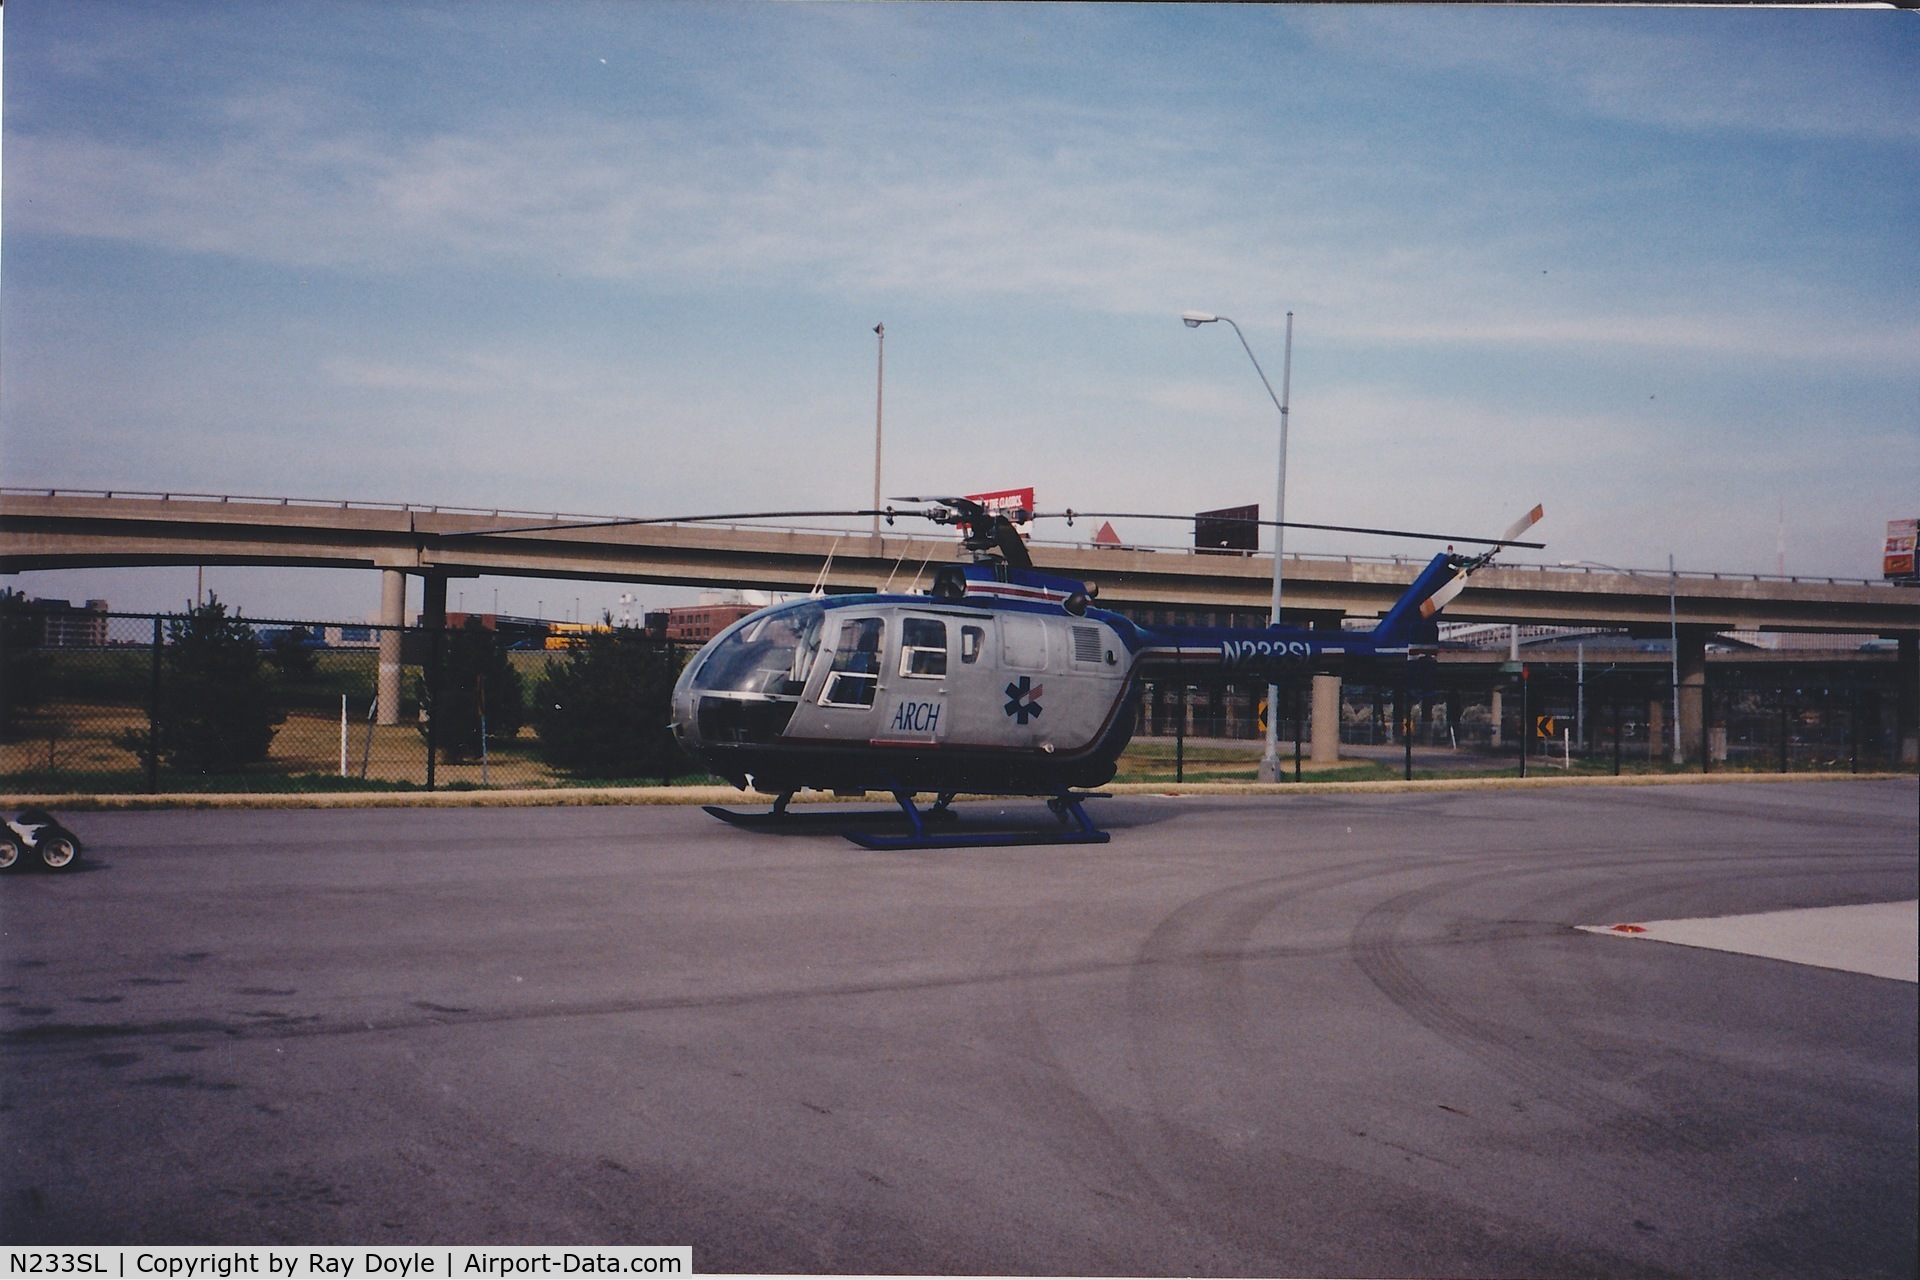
x=393, y=616
x=1326, y=719
x=1324, y=724
x=1693, y=688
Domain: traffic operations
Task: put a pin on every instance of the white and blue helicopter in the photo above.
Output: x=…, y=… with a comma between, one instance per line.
x=1002, y=680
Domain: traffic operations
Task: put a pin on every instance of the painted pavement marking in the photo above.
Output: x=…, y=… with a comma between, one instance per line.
x=1878, y=938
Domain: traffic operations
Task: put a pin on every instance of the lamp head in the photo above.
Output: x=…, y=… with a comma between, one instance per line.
x=1195, y=319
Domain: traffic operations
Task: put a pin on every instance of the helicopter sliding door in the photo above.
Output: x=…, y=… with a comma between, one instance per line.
x=914, y=705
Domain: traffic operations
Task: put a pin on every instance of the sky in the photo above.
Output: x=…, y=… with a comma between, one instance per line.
x=1655, y=268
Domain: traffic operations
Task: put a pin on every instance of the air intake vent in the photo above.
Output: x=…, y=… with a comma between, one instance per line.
x=1086, y=644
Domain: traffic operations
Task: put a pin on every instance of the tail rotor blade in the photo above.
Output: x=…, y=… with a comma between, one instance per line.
x=1444, y=596
x=1524, y=523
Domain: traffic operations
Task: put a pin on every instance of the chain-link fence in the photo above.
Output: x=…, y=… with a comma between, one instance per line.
x=1595, y=717
x=1622, y=720
x=209, y=702
x=205, y=701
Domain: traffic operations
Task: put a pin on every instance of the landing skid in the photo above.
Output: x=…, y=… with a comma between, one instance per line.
x=831, y=817
x=1067, y=806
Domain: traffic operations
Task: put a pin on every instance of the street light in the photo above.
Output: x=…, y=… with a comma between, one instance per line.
x=1673, y=632
x=1270, y=760
x=879, y=401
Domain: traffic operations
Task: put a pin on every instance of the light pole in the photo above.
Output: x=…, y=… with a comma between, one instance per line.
x=1673, y=643
x=1270, y=758
x=879, y=400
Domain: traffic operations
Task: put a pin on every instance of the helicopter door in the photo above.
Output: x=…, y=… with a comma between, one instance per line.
x=916, y=702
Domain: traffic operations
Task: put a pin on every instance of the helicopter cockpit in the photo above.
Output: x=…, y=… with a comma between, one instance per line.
x=771, y=655
x=746, y=686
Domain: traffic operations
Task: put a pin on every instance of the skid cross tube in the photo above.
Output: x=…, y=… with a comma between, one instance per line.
x=1068, y=806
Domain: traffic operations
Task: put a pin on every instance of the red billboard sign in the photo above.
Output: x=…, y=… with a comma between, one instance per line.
x=1899, y=561
x=1005, y=502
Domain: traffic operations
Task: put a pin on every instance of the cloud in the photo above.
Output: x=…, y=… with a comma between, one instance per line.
x=1093, y=218
x=1803, y=75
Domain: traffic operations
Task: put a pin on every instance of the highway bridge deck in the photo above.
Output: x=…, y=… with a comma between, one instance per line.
x=50, y=529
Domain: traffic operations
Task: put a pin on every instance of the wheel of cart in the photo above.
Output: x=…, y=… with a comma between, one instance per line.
x=41, y=839
x=12, y=853
x=58, y=850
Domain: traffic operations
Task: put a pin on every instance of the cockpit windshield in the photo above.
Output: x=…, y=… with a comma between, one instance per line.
x=771, y=655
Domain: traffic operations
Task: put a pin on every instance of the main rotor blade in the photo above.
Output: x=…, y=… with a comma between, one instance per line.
x=1507, y=541
x=706, y=519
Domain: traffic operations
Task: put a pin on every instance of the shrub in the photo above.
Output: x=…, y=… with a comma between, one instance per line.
x=23, y=667
x=478, y=686
x=218, y=710
x=603, y=712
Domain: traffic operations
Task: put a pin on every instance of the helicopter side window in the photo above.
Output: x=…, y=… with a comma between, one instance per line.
x=923, y=648
x=854, y=677
x=972, y=640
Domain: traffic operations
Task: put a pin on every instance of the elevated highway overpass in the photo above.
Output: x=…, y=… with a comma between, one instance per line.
x=55, y=529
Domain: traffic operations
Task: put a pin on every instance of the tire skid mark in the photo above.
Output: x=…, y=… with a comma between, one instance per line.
x=1192, y=961
x=1382, y=954
x=1073, y=1126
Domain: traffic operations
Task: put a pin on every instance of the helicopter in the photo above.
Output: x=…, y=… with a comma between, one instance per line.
x=1003, y=679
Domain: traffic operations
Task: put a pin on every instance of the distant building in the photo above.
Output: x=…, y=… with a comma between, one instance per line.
x=699, y=623
x=64, y=625
x=350, y=637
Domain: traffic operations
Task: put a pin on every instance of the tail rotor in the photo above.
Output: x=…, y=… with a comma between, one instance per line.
x=1466, y=566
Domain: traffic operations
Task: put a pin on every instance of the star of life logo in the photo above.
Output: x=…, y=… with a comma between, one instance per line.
x=1023, y=699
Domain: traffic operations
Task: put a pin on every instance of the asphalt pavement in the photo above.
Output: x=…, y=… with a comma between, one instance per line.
x=1327, y=1035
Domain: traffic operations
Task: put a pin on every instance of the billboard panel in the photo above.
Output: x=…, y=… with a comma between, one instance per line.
x=1898, y=563
x=1228, y=531
x=1005, y=502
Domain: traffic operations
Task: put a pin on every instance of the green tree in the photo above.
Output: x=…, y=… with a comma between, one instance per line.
x=218, y=708
x=478, y=684
x=291, y=653
x=23, y=666
x=603, y=712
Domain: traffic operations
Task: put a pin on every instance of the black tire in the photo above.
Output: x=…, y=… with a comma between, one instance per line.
x=57, y=850
x=12, y=855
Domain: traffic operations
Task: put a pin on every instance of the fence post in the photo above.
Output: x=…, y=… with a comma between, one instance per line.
x=153, y=714
x=1299, y=714
x=1706, y=728
x=1406, y=710
x=1783, y=730
x=1853, y=731
x=1526, y=721
x=434, y=635
x=1615, y=708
